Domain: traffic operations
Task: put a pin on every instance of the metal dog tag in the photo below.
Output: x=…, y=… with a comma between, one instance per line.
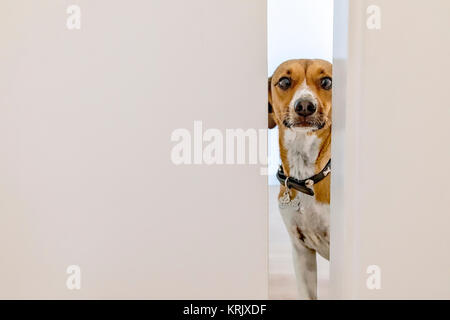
x=286, y=202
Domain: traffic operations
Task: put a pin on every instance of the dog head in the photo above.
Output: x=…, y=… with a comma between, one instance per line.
x=300, y=93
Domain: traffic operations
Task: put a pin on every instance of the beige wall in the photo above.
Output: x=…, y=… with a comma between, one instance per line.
x=85, y=123
x=390, y=150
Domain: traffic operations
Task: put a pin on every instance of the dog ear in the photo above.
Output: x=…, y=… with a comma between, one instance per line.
x=272, y=124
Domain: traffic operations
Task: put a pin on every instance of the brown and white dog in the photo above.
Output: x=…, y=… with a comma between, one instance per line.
x=300, y=105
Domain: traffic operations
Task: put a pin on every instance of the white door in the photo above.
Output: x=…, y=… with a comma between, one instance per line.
x=87, y=182
x=390, y=192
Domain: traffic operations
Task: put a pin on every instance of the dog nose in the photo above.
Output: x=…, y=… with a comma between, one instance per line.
x=305, y=107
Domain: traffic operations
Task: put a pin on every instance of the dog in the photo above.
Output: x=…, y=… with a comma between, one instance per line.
x=300, y=97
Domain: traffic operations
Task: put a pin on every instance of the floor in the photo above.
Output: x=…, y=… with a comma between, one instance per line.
x=281, y=273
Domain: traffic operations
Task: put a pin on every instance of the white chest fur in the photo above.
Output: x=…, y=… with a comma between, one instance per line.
x=310, y=226
x=303, y=150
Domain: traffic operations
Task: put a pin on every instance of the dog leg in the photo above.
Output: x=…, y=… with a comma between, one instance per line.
x=305, y=267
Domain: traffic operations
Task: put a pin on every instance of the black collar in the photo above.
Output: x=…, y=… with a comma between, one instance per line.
x=304, y=186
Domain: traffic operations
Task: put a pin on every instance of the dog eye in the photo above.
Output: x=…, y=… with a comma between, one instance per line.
x=284, y=83
x=326, y=83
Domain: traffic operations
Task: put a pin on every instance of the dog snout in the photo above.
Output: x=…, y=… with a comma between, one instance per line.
x=305, y=107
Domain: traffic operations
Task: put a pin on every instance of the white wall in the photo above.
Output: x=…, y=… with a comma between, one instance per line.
x=390, y=185
x=86, y=176
x=296, y=29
